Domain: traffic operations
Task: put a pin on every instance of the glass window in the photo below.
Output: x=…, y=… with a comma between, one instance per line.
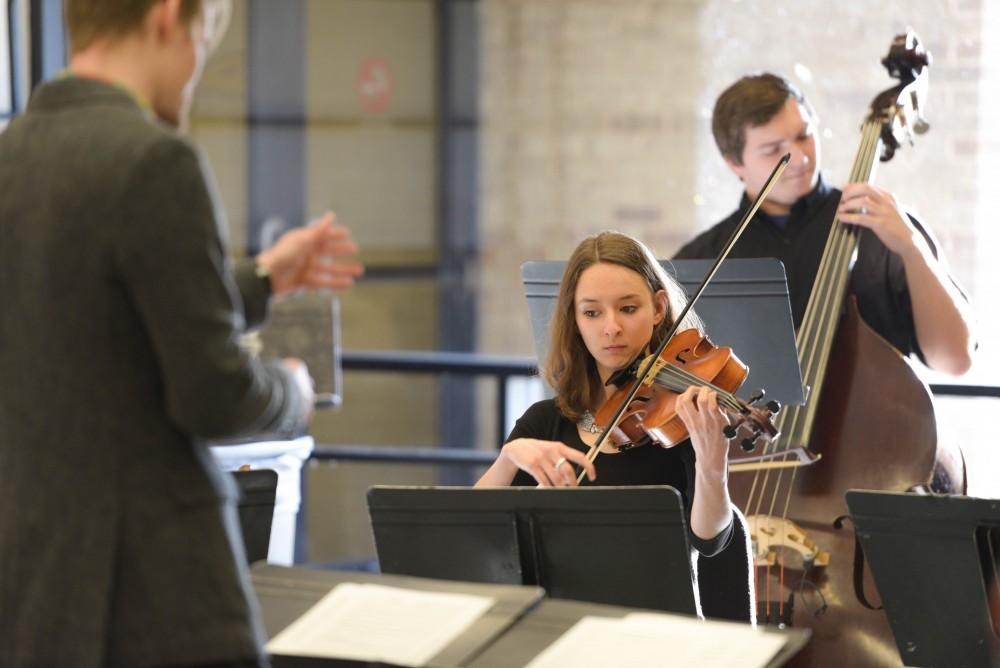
x=6, y=80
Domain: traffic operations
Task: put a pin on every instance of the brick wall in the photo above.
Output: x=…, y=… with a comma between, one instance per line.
x=596, y=114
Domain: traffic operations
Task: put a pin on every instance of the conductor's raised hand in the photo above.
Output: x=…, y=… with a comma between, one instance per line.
x=548, y=462
x=312, y=257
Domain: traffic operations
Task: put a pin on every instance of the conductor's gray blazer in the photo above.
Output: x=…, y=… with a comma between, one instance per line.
x=119, y=323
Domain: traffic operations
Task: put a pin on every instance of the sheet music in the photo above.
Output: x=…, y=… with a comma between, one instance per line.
x=371, y=622
x=648, y=639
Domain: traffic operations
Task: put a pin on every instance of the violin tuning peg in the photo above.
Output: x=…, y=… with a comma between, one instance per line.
x=773, y=406
x=729, y=431
x=756, y=396
x=748, y=444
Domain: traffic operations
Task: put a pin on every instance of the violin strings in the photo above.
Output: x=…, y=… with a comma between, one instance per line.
x=683, y=379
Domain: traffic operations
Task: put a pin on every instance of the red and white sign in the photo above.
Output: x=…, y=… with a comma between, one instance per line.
x=374, y=85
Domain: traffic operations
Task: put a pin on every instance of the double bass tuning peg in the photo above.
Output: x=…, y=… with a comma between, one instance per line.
x=920, y=124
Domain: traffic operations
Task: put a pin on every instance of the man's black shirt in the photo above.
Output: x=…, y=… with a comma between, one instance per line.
x=878, y=279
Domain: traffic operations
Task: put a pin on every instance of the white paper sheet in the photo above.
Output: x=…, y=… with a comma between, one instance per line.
x=378, y=623
x=645, y=639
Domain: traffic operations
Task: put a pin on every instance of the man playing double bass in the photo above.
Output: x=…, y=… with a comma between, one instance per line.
x=902, y=290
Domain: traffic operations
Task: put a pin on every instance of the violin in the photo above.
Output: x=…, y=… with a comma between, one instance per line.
x=689, y=359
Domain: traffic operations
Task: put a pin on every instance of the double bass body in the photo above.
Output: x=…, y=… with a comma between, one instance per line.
x=875, y=429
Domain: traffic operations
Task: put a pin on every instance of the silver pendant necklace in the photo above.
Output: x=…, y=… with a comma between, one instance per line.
x=589, y=424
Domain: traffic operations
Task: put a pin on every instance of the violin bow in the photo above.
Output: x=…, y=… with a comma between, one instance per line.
x=651, y=361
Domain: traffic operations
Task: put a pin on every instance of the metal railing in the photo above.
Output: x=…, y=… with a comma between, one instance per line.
x=502, y=367
x=397, y=454
x=960, y=390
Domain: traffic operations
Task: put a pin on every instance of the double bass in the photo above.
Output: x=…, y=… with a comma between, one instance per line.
x=868, y=417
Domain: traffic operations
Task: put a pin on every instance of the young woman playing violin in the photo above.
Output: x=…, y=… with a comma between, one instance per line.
x=615, y=304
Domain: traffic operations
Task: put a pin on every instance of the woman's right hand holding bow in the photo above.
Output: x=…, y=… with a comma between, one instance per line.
x=548, y=462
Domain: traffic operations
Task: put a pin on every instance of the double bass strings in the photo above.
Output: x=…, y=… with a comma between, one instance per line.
x=829, y=300
x=818, y=328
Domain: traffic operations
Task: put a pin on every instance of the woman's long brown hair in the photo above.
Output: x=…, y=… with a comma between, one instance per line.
x=570, y=369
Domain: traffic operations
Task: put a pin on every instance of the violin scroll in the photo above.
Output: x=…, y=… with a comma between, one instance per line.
x=754, y=425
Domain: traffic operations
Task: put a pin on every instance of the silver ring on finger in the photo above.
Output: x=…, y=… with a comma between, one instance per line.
x=560, y=462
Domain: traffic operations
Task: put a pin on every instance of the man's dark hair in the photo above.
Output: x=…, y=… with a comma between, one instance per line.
x=750, y=102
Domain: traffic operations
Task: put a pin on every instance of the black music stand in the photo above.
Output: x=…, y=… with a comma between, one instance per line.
x=258, y=489
x=618, y=545
x=935, y=561
x=745, y=307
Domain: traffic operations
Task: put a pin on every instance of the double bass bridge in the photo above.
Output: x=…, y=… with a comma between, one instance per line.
x=783, y=459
